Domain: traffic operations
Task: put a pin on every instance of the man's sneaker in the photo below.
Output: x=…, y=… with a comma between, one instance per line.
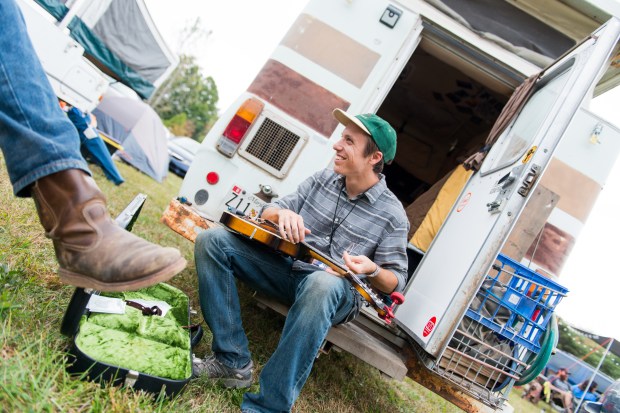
x=231, y=378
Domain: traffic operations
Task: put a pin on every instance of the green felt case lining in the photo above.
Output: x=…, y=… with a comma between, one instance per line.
x=154, y=345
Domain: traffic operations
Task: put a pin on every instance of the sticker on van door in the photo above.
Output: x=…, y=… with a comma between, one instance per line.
x=430, y=325
x=529, y=154
x=464, y=201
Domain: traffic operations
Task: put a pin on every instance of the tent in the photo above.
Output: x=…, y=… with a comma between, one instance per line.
x=139, y=129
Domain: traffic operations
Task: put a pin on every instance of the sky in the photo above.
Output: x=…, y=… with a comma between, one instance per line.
x=237, y=37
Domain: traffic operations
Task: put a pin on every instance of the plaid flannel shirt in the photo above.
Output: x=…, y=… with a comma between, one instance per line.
x=373, y=223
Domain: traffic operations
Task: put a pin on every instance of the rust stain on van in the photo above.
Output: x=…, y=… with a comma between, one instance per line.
x=185, y=221
x=418, y=372
x=298, y=96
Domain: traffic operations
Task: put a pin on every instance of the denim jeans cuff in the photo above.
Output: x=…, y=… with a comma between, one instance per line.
x=21, y=188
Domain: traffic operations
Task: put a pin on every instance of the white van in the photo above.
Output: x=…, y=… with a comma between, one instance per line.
x=440, y=72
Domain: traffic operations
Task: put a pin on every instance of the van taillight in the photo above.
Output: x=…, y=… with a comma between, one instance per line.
x=238, y=126
x=236, y=129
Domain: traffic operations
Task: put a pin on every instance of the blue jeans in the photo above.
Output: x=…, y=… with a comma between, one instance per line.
x=36, y=137
x=318, y=301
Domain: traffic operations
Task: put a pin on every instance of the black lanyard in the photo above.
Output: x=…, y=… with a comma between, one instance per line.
x=334, y=224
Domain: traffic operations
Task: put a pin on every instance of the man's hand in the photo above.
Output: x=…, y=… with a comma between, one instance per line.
x=385, y=280
x=359, y=264
x=290, y=225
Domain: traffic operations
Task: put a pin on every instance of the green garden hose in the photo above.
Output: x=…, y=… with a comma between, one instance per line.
x=550, y=341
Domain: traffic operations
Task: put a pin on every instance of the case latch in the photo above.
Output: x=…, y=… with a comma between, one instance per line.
x=131, y=377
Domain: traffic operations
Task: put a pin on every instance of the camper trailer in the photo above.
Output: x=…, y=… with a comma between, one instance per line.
x=82, y=48
x=73, y=78
x=441, y=72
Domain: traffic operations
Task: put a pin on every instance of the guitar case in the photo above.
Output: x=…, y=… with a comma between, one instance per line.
x=139, y=348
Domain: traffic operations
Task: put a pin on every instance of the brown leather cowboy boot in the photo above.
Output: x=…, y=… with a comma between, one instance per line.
x=92, y=250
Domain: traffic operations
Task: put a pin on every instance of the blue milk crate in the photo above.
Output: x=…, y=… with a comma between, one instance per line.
x=516, y=302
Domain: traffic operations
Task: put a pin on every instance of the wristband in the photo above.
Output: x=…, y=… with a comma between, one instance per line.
x=374, y=273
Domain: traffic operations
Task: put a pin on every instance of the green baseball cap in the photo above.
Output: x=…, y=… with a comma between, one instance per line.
x=379, y=130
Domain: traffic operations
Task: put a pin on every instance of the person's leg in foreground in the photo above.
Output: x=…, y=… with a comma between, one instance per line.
x=41, y=151
x=319, y=300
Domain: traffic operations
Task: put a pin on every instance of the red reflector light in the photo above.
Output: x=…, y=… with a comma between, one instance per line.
x=213, y=178
x=235, y=131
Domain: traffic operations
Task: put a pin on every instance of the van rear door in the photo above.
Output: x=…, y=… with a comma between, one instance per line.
x=475, y=230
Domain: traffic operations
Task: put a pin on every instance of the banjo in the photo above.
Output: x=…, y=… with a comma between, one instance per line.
x=266, y=233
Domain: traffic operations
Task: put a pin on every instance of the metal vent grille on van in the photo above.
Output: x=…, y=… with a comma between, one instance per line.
x=273, y=147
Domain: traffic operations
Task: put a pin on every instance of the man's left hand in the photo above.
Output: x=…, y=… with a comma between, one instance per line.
x=359, y=264
x=384, y=281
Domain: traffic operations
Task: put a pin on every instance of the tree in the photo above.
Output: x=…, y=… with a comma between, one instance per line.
x=179, y=125
x=187, y=101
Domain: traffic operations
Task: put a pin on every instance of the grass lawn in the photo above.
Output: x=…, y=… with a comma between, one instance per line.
x=32, y=303
x=523, y=406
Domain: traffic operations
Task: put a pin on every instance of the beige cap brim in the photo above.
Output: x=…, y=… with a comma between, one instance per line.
x=346, y=119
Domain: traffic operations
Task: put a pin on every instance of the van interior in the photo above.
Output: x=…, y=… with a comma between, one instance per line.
x=443, y=107
x=442, y=111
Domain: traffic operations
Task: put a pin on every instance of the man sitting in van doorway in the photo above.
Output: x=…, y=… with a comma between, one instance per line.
x=347, y=213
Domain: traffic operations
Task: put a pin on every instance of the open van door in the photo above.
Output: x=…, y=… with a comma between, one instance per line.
x=463, y=251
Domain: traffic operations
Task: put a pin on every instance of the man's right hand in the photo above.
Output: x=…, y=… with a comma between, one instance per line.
x=290, y=224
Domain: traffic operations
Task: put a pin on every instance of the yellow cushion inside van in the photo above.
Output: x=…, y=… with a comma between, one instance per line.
x=439, y=210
